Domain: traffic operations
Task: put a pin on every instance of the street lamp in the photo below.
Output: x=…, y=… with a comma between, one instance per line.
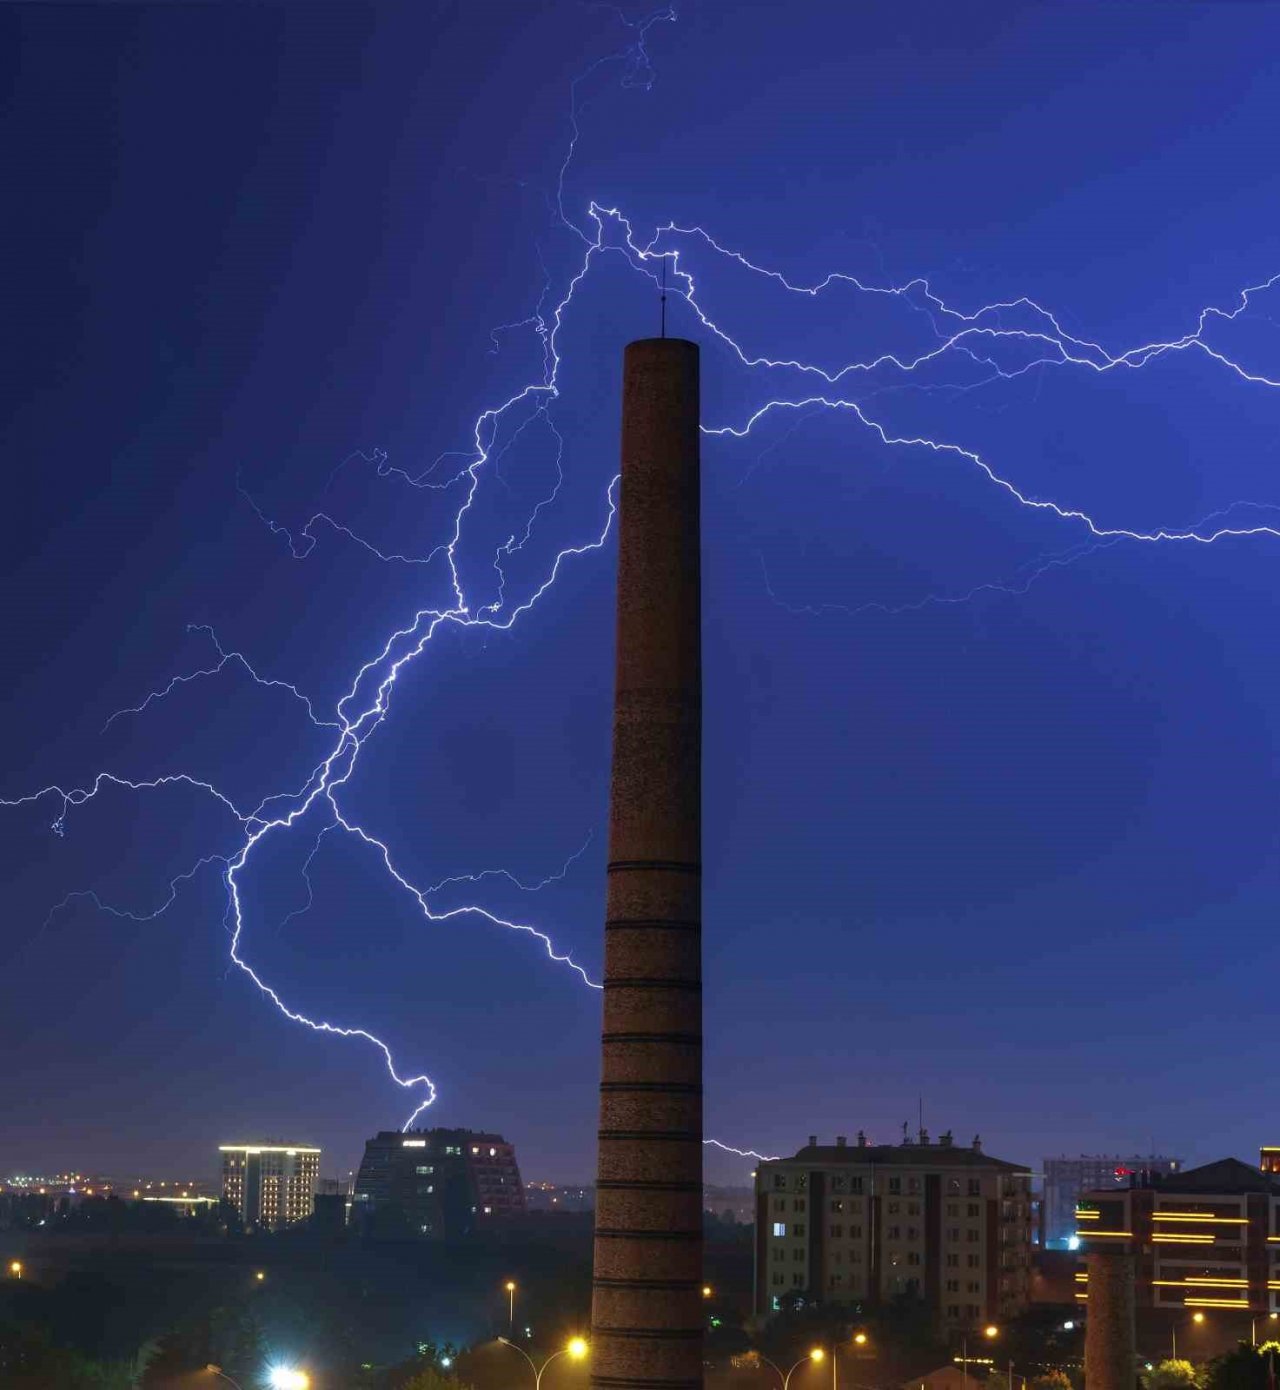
x=707, y=1291
x=15, y=1268
x=859, y=1339
x=575, y=1351
x=1253, y=1326
x=990, y=1331
x=288, y=1378
x=510, y=1287
x=1197, y=1317
x=815, y=1355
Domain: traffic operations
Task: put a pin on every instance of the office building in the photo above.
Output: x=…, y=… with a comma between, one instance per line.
x=1204, y=1237
x=865, y=1223
x=1066, y=1178
x=270, y=1185
x=442, y=1184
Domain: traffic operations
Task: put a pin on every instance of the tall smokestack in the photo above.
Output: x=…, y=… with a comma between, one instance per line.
x=1110, y=1341
x=647, y=1309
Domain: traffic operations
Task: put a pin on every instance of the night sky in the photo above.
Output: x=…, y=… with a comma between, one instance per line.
x=990, y=809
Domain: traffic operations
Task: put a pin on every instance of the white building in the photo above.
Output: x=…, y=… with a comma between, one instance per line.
x=270, y=1185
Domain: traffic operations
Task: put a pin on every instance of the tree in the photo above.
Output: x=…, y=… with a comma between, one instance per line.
x=1052, y=1380
x=1245, y=1368
x=1172, y=1375
x=431, y=1378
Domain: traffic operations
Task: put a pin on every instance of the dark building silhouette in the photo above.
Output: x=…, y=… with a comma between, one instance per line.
x=435, y=1184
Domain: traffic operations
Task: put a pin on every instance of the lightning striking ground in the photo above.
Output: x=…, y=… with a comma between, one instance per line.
x=967, y=351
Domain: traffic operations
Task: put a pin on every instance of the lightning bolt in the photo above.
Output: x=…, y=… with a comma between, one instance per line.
x=965, y=351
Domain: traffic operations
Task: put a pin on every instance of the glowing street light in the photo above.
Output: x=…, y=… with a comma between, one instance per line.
x=707, y=1291
x=859, y=1339
x=1197, y=1319
x=288, y=1378
x=991, y=1330
x=510, y=1287
x=576, y=1350
x=15, y=1268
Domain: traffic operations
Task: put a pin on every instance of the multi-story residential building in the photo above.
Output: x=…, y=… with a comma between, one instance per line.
x=864, y=1223
x=437, y=1183
x=270, y=1185
x=1204, y=1237
x=1065, y=1179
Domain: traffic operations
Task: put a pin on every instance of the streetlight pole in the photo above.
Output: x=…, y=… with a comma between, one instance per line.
x=511, y=1306
x=815, y=1355
x=577, y=1349
x=222, y=1375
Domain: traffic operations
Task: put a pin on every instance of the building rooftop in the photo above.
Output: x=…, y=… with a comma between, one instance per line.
x=1227, y=1175
x=915, y=1153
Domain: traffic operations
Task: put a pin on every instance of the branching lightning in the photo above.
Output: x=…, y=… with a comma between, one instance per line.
x=980, y=346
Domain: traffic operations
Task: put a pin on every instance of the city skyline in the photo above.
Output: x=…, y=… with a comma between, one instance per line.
x=967, y=761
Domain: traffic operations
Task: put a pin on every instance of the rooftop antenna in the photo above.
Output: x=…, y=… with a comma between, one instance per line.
x=663, y=300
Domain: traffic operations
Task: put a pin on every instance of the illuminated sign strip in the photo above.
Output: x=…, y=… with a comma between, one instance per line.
x=1202, y=1217
x=1216, y=1302
x=1113, y=1235
x=1202, y=1283
x=1183, y=1237
x=265, y=1149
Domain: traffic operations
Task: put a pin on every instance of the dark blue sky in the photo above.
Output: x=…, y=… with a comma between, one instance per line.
x=1016, y=854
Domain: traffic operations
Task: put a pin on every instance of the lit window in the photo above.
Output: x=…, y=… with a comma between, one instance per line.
x=779, y=1228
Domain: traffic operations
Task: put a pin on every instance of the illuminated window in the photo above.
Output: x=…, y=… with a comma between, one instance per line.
x=779, y=1228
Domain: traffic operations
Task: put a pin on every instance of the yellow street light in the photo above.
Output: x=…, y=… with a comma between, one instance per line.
x=510, y=1286
x=860, y=1339
x=1197, y=1317
x=707, y=1291
x=15, y=1268
x=577, y=1348
x=260, y=1276
x=991, y=1330
x=817, y=1354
